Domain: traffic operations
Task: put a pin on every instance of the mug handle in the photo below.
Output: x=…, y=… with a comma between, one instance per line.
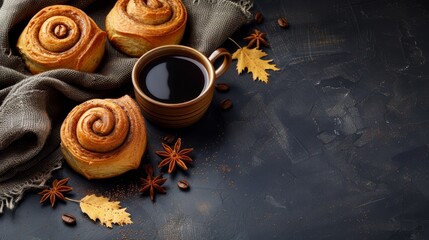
x=227, y=58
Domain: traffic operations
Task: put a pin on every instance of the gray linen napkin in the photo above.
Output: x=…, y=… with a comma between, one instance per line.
x=33, y=106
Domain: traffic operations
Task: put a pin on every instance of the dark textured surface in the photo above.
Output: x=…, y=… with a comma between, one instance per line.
x=335, y=146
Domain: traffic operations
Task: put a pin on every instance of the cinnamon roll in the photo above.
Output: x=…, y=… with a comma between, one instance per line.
x=136, y=26
x=61, y=36
x=103, y=138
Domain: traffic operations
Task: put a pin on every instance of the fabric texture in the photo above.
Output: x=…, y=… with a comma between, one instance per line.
x=33, y=106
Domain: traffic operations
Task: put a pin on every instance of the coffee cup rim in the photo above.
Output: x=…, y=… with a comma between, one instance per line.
x=165, y=50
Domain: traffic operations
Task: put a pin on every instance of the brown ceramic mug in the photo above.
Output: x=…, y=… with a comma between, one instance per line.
x=174, y=84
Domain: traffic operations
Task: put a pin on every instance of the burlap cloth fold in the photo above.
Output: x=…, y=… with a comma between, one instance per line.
x=34, y=106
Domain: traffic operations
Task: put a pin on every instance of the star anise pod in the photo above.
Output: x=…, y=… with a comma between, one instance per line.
x=56, y=191
x=257, y=37
x=174, y=156
x=150, y=183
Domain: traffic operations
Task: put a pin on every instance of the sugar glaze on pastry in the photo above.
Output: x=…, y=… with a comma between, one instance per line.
x=61, y=36
x=103, y=138
x=137, y=26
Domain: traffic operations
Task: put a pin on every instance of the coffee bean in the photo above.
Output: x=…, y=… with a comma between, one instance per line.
x=226, y=104
x=68, y=219
x=259, y=18
x=282, y=22
x=183, y=184
x=168, y=139
x=222, y=87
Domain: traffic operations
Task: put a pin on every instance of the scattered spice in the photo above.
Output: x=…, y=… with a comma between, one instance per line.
x=168, y=139
x=222, y=87
x=257, y=37
x=282, y=22
x=69, y=219
x=226, y=104
x=183, y=184
x=251, y=59
x=56, y=191
x=174, y=156
x=259, y=18
x=150, y=183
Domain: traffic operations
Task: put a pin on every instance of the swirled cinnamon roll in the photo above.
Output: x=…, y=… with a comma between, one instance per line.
x=61, y=36
x=103, y=138
x=136, y=26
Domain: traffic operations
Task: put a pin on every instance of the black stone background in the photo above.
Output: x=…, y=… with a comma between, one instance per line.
x=335, y=146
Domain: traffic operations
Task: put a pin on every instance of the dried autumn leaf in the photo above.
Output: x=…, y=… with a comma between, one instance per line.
x=252, y=60
x=102, y=209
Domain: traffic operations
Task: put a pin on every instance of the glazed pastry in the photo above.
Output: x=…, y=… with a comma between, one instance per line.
x=61, y=36
x=136, y=26
x=103, y=138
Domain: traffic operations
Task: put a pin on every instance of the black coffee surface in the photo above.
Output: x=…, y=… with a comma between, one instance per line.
x=173, y=79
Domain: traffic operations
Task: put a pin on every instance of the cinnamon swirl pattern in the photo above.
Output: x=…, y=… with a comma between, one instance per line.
x=61, y=36
x=136, y=26
x=103, y=138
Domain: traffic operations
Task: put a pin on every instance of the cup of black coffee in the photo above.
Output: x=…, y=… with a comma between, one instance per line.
x=174, y=84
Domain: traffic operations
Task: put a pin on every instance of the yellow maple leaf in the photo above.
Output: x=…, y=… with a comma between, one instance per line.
x=252, y=60
x=102, y=209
